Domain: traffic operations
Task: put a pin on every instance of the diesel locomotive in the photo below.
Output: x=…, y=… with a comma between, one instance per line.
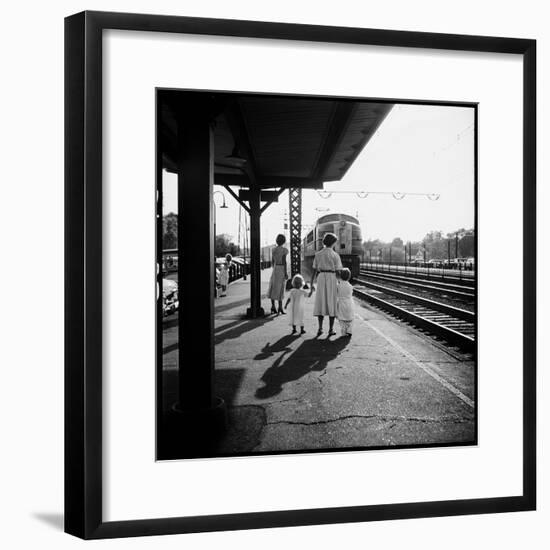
x=349, y=245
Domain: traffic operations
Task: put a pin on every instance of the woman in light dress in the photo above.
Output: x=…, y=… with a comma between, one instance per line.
x=326, y=264
x=224, y=273
x=279, y=275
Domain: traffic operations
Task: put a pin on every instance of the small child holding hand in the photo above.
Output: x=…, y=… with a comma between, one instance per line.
x=344, y=304
x=297, y=300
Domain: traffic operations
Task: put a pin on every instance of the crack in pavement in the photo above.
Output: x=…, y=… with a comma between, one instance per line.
x=299, y=398
x=374, y=416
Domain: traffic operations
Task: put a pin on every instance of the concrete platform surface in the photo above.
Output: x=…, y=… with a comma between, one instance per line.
x=388, y=385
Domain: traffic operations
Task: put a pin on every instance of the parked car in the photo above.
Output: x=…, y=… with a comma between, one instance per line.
x=170, y=299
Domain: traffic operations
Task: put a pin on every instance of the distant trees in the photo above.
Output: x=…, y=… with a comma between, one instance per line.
x=466, y=245
x=435, y=243
x=170, y=231
x=397, y=242
x=224, y=245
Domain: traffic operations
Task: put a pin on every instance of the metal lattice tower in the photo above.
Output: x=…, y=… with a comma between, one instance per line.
x=295, y=226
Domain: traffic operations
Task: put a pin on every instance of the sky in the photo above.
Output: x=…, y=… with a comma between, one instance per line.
x=416, y=149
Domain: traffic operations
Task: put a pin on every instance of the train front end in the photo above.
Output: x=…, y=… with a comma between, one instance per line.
x=349, y=245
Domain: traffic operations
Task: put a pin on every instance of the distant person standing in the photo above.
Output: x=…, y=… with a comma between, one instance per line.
x=279, y=275
x=326, y=264
x=224, y=273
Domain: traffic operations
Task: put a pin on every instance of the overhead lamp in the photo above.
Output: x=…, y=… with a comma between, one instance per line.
x=223, y=198
x=433, y=196
x=234, y=159
x=398, y=196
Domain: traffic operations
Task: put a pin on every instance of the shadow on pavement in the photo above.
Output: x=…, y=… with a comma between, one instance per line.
x=170, y=348
x=279, y=346
x=311, y=355
x=219, y=307
x=246, y=326
x=227, y=383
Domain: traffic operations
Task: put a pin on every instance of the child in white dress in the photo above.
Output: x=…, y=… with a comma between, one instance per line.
x=297, y=300
x=344, y=305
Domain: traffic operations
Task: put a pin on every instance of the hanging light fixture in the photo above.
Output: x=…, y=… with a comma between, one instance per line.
x=234, y=159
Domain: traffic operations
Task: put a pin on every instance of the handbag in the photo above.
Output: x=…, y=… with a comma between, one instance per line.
x=288, y=284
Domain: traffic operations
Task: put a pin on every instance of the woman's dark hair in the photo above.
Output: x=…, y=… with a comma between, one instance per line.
x=281, y=239
x=329, y=239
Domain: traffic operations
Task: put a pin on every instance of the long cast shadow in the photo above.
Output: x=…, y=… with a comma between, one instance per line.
x=247, y=326
x=170, y=348
x=170, y=321
x=279, y=346
x=226, y=326
x=311, y=355
x=224, y=307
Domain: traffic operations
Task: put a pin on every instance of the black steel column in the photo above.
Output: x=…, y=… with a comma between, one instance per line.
x=295, y=216
x=255, y=309
x=192, y=426
x=195, y=240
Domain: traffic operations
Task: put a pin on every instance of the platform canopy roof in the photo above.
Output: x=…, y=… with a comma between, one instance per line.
x=278, y=141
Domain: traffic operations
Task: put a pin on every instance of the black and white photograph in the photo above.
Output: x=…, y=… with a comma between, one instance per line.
x=275, y=274
x=343, y=246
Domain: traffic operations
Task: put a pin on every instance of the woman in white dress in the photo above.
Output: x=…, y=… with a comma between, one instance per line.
x=279, y=275
x=326, y=264
x=224, y=273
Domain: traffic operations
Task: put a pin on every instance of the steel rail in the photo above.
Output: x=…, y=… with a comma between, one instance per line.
x=424, y=285
x=463, y=341
x=418, y=273
x=431, y=304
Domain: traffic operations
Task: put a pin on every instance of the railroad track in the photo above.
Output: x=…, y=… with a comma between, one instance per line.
x=411, y=273
x=452, y=290
x=455, y=325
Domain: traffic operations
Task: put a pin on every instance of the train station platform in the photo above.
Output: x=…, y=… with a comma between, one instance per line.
x=386, y=386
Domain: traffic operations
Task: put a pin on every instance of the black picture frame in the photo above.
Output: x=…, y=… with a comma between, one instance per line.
x=83, y=274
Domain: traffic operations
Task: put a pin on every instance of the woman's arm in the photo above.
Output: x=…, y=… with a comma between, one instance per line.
x=284, y=264
x=339, y=265
x=313, y=275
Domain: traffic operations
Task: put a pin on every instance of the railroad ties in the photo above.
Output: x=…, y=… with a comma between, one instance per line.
x=442, y=309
